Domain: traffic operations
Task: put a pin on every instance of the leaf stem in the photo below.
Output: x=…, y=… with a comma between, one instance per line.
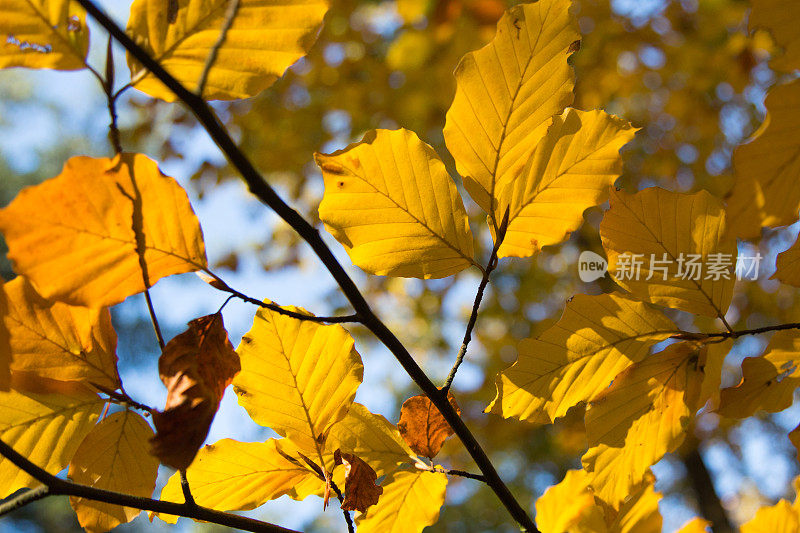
x=473, y=318
x=230, y=14
x=459, y=473
x=61, y=487
x=187, y=491
x=264, y=192
x=154, y=319
x=347, y=518
x=29, y=496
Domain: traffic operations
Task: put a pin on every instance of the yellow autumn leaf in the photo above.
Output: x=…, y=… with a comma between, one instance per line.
x=410, y=502
x=642, y=416
x=372, y=438
x=113, y=456
x=5, y=345
x=390, y=201
x=298, y=377
x=779, y=518
x=506, y=93
x=779, y=18
x=596, y=338
x=768, y=381
x=274, y=34
x=787, y=265
x=45, y=426
x=569, y=507
x=59, y=341
x=696, y=525
x=766, y=168
x=667, y=248
x=570, y=170
x=43, y=34
x=639, y=513
x=105, y=220
x=235, y=476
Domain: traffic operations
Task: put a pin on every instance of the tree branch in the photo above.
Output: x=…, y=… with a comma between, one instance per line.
x=707, y=499
x=29, y=496
x=264, y=192
x=690, y=336
x=473, y=318
x=60, y=487
x=347, y=518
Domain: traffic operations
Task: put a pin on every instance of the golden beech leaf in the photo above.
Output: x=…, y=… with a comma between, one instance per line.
x=667, y=248
x=195, y=366
x=569, y=507
x=423, y=427
x=237, y=476
x=45, y=421
x=640, y=417
x=767, y=192
x=5, y=345
x=596, y=338
x=390, y=201
x=113, y=456
x=59, y=341
x=696, y=525
x=371, y=437
x=639, y=513
x=571, y=169
x=275, y=34
x=298, y=377
x=768, y=381
x=787, y=265
x=506, y=93
x=360, y=490
x=779, y=18
x=779, y=518
x=43, y=34
x=410, y=502
x=105, y=220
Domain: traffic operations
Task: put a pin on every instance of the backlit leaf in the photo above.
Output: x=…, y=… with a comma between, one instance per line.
x=596, y=338
x=767, y=167
x=298, y=377
x=236, y=476
x=59, y=341
x=410, y=502
x=113, y=456
x=105, y=219
x=696, y=525
x=391, y=203
x=787, y=265
x=673, y=238
x=45, y=426
x=506, y=93
x=779, y=18
x=422, y=425
x=569, y=507
x=274, y=34
x=195, y=366
x=360, y=492
x=779, y=518
x=642, y=416
x=43, y=34
x=639, y=513
x=5, y=345
x=768, y=381
x=571, y=170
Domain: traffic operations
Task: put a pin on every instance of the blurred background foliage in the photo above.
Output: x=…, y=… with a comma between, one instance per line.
x=686, y=72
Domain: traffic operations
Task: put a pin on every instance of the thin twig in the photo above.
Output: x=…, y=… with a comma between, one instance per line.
x=108, y=86
x=347, y=518
x=187, y=491
x=473, y=318
x=122, y=398
x=154, y=319
x=61, y=487
x=459, y=473
x=219, y=284
x=230, y=14
x=264, y=192
x=691, y=336
x=29, y=496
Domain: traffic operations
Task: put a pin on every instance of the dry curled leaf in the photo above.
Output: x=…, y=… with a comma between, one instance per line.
x=422, y=425
x=195, y=366
x=360, y=490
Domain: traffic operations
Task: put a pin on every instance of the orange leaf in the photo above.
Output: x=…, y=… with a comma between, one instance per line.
x=5, y=346
x=195, y=366
x=360, y=490
x=422, y=425
x=102, y=230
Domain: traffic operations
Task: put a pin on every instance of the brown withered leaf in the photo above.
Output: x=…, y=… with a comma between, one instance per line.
x=360, y=489
x=422, y=425
x=195, y=366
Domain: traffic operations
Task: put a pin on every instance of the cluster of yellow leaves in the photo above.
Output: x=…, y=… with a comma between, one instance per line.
x=391, y=203
x=110, y=228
